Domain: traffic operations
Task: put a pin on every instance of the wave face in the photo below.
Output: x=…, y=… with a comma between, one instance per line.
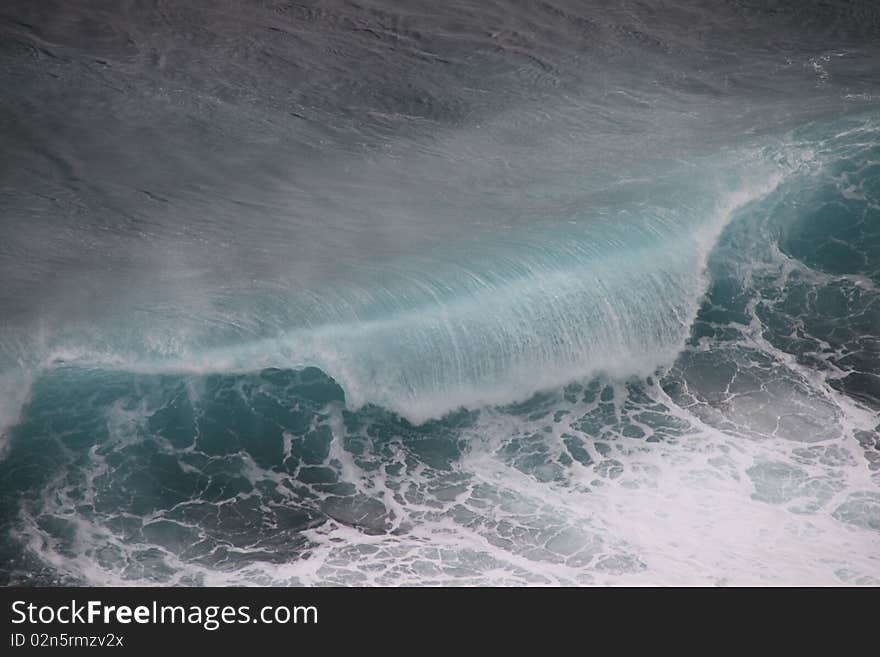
x=511, y=293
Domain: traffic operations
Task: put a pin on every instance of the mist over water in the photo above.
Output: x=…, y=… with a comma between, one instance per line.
x=474, y=293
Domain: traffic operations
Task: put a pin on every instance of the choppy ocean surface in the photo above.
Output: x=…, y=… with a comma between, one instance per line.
x=406, y=292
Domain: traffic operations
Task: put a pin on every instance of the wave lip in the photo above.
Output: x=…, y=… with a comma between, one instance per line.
x=620, y=303
x=613, y=297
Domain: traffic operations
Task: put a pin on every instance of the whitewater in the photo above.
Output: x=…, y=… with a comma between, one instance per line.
x=394, y=294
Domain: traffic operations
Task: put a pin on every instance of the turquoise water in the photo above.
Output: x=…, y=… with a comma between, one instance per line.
x=616, y=323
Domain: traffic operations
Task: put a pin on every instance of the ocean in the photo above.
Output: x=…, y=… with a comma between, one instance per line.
x=399, y=292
